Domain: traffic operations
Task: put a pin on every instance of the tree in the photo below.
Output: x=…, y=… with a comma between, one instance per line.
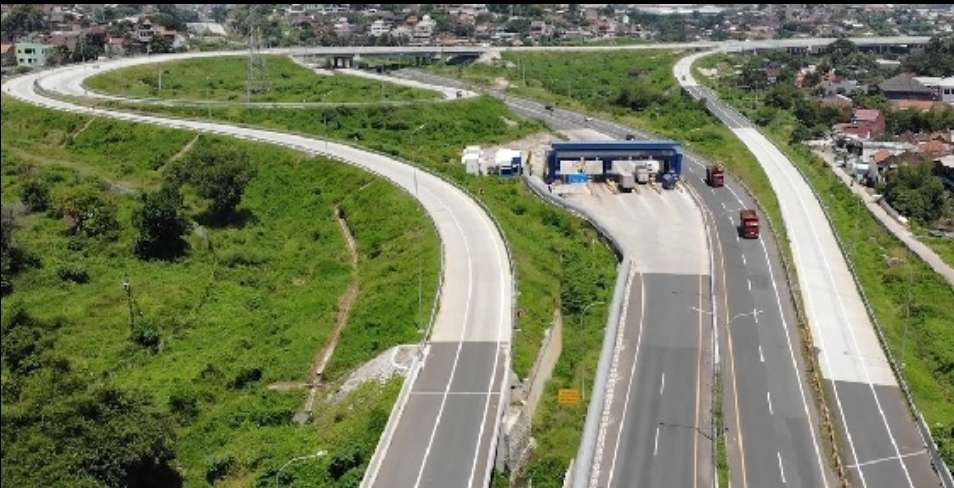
x=86, y=211
x=161, y=222
x=22, y=20
x=915, y=192
x=218, y=174
x=159, y=44
x=12, y=257
x=936, y=59
x=88, y=47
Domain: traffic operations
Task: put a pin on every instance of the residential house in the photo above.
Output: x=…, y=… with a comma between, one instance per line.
x=379, y=28
x=32, y=54
x=934, y=149
x=540, y=29
x=944, y=169
x=865, y=124
x=943, y=87
x=423, y=31
x=837, y=85
x=905, y=87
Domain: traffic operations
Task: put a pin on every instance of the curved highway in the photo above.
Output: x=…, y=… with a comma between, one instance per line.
x=442, y=431
x=886, y=448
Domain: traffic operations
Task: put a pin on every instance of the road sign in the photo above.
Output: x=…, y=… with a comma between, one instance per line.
x=568, y=396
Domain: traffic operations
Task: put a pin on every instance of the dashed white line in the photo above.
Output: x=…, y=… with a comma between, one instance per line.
x=662, y=384
x=748, y=283
x=656, y=442
x=761, y=356
x=744, y=262
x=781, y=469
x=768, y=397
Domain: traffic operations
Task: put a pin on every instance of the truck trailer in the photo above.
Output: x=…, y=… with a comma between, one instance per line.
x=715, y=176
x=748, y=224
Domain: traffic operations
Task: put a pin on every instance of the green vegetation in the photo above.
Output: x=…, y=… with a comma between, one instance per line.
x=223, y=79
x=907, y=297
x=169, y=382
x=935, y=59
x=722, y=459
x=916, y=192
x=559, y=260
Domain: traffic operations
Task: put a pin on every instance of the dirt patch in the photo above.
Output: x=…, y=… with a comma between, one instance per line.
x=345, y=302
x=534, y=145
x=501, y=83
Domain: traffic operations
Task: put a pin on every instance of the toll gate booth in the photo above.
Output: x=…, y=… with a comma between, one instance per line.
x=580, y=161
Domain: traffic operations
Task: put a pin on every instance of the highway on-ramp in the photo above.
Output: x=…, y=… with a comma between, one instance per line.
x=443, y=430
x=886, y=448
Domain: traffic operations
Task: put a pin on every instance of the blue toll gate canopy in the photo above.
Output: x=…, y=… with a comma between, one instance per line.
x=668, y=153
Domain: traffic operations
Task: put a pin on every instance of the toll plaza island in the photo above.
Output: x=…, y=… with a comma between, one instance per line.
x=626, y=162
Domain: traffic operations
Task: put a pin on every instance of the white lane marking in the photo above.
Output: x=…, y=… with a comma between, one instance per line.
x=889, y=458
x=662, y=384
x=723, y=205
x=744, y=261
x=761, y=356
x=815, y=242
x=781, y=469
x=629, y=386
x=748, y=283
x=755, y=315
x=656, y=442
x=479, y=393
x=768, y=397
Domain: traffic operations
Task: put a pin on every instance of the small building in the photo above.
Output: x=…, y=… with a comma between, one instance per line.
x=865, y=124
x=596, y=159
x=905, y=87
x=508, y=162
x=32, y=54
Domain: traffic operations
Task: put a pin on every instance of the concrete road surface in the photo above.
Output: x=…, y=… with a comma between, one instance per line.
x=445, y=429
x=884, y=446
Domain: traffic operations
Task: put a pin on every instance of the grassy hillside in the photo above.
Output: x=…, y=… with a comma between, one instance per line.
x=248, y=304
x=223, y=79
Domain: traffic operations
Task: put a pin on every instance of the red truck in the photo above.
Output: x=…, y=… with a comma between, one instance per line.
x=714, y=176
x=748, y=224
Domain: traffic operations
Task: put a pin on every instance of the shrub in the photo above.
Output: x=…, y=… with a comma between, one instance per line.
x=35, y=194
x=218, y=467
x=218, y=174
x=184, y=404
x=88, y=212
x=146, y=334
x=245, y=376
x=161, y=222
x=73, y=272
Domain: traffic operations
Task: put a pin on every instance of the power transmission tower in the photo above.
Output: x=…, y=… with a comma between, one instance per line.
x=257, y=80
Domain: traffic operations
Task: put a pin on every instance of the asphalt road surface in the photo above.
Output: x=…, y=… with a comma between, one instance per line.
x=884, y=446
x=447, y=426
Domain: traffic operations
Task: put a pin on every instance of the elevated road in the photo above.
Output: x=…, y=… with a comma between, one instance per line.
x=771, y=420
x=886, y=448
x=442, y=432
